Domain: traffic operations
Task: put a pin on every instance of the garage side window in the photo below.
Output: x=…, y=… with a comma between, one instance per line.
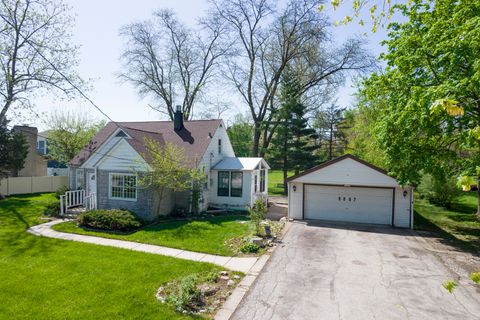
x=237, y=184
x=223, y=183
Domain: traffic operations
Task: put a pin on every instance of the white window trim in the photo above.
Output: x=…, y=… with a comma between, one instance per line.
x=79, y=172
x=110, y=174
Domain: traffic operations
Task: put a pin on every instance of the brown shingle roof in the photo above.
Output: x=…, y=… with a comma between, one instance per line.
x=193, y=138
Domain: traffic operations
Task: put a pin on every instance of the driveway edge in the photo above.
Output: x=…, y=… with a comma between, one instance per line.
x=234, y=300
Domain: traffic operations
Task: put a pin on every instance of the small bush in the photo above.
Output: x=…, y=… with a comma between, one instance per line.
x=52, y=209
x=439, y=191
x=61, y=191
x=186, y=294
x=257, y=213
x=249, y=248
x=114, y=219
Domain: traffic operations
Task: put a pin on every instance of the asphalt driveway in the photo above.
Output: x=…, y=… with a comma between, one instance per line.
x=329, y=271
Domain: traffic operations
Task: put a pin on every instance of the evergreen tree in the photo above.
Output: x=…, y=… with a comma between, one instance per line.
x=292, y=148
x=13, y=150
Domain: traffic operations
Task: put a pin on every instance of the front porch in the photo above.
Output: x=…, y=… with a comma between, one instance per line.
x=77, y=201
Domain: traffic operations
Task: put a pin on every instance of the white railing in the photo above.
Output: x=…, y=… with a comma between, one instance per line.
x=76, y=198
x=91, y=201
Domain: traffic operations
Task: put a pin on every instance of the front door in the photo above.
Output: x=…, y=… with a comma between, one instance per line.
x=91, y=183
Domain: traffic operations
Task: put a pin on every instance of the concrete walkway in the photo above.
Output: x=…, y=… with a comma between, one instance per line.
x=232, y=263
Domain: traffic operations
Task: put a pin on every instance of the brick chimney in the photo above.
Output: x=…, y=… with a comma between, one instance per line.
x=178, y=119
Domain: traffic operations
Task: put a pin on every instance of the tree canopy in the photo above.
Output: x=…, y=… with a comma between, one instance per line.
x=427, y=101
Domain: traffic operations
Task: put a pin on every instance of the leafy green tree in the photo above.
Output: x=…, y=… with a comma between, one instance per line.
x=293, y=146
x=168, y=170
x=13, y=150
x=69, y=132
x=241, y=135
x=427, y=100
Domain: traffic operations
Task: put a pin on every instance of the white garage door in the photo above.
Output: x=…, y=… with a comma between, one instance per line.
x=350, y=204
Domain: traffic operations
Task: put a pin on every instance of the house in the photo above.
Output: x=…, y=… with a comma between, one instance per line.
x=35, y=163
x=54, y=168
x=108, y=168
x=348, y=189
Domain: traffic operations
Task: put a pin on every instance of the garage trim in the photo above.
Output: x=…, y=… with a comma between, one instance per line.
x=355, y=186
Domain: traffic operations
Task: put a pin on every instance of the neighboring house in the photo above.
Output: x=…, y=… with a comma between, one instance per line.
x=109, y=166
x=35, y=163
x=54, y=168
x=348, y=189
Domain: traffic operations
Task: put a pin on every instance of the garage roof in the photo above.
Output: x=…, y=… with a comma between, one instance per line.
x=343, y=174
x=240, y=164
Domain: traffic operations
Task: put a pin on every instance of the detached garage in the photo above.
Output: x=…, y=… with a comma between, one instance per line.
x=348, y=189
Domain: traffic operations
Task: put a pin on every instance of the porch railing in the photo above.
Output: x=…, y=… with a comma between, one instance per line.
x=77, y=198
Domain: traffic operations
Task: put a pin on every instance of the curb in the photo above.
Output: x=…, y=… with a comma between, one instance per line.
x=234, y=300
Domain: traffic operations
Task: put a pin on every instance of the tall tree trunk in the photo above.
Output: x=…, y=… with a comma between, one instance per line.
x=330, y=142
x=478, y=198
x=285, y=162
x=256, y=140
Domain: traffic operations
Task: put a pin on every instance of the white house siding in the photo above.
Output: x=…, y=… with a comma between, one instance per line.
x=403, y=207
x=232, y=202
x=212, y=157
x=350, y=172
x=122, y=157
x=99, y=154
x=295, y=200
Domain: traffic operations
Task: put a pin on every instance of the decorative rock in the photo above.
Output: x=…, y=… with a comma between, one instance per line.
x=258, y=241
x=236, y=276
x=283, y=219
x=230, y=283
x=223, y=273
x=224, y=278
x=202, y=311
x=207, y=290
x=268, y=231
x=160, y=295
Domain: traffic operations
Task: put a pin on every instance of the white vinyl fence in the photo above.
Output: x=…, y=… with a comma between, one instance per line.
x=23, y=185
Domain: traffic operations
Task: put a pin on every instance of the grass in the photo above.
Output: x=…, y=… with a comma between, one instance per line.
x=43, y=278
x=275, y=178
x=458, y=224
x=207, y=235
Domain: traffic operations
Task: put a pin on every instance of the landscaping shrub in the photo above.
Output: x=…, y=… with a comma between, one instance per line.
x=257, y=213
x=114, y=219
x=439, y=191
x=249, y=248
x=61, y=191
x=186, y=294
x=52, y=209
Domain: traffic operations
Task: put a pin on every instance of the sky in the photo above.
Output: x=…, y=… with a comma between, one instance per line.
x=96, y=30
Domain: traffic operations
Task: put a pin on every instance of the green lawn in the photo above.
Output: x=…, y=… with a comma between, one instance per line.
x=458, y=224
x=206, y=235
x=275, y=178
x=43, y=278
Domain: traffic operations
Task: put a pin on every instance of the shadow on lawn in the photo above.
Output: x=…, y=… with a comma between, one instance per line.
x=185, y=228
x=448, y=238
x=16, y=216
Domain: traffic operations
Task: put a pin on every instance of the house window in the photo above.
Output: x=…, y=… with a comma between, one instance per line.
x=41, y=146
x=219, y=146
x=236, y=184
x=123, y=186
x=223, y=183
x=255, y=183
x=262, y=180
x=79, y=179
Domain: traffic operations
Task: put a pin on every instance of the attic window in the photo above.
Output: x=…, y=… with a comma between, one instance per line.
x=121, y=134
